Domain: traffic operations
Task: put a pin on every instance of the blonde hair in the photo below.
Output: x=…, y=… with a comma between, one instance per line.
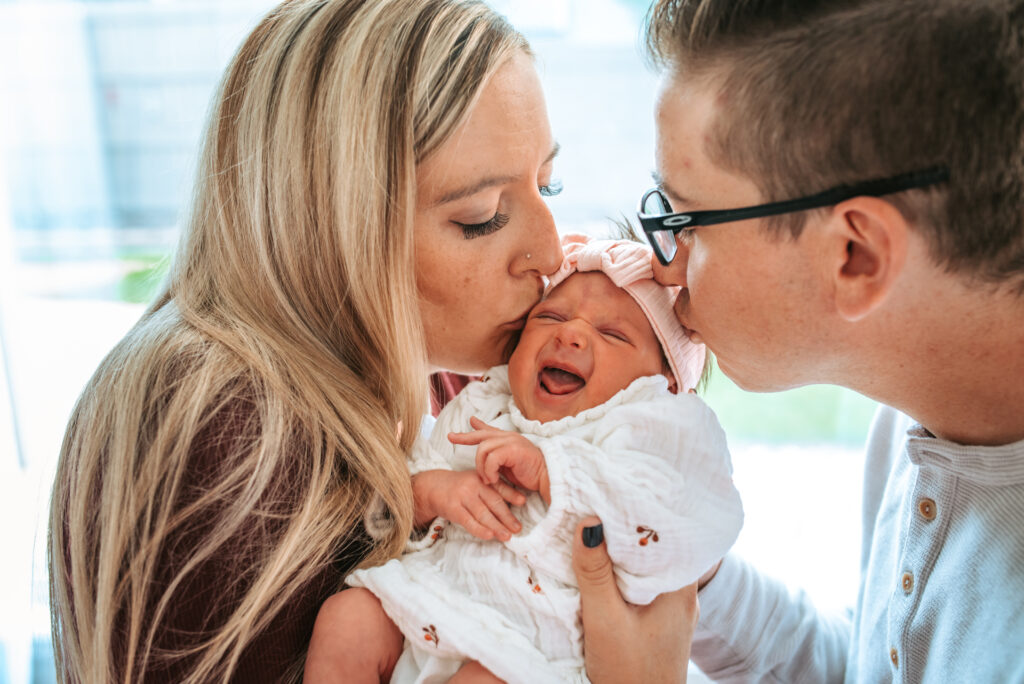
x=289, y=322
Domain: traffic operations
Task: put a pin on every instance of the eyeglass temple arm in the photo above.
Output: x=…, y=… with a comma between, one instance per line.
x=874, y=188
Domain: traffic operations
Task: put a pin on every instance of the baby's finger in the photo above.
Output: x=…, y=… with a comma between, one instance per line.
x=481, y=425
x=470, y=438
x=509, y=493
x=487, y=519
x=501, y=511
x=492, y=461
x=471, y=525
x=489, y=460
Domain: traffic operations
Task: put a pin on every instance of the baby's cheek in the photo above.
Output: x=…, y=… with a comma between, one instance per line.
x=520, y=377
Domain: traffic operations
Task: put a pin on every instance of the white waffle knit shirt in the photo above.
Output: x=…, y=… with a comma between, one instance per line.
x=652, y=465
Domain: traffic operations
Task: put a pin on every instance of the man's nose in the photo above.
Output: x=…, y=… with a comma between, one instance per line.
x=675, y=272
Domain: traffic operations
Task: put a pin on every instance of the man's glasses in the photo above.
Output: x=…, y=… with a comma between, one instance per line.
x=661, y=224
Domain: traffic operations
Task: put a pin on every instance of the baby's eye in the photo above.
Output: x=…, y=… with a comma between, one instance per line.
x=615, y=334
x=548, y=315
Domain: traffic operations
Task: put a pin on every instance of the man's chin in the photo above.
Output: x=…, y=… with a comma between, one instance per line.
x=753, y=382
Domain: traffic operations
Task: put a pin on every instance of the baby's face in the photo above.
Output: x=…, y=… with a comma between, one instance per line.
x=586, y=341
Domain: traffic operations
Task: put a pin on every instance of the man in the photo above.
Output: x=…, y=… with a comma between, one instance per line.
x=892, y=135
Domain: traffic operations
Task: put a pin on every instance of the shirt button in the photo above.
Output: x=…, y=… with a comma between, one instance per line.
x=927, y=509
x=894, y=657
x=907, y=582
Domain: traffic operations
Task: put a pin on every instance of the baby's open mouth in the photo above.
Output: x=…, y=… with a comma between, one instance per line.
x=560, y=381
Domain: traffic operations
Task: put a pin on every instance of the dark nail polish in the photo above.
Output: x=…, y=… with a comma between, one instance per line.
x=593, y=536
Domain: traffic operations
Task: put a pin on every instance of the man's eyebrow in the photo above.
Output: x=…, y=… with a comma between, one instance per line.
x=668, y=192
x=487, y=182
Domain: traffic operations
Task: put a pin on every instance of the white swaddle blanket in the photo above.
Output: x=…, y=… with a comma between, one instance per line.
x=652, y=465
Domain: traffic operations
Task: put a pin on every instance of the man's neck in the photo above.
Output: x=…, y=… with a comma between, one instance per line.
x=960, y=373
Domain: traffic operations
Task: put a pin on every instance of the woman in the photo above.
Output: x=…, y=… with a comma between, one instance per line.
x=369, y=205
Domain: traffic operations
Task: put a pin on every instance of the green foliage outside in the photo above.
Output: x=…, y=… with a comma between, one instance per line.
x=140, y=284
x=806, y=415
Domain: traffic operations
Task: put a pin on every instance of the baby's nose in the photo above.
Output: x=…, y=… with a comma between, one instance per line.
x=572, y=334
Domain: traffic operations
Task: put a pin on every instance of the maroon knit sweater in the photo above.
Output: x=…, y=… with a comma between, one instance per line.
x=208, y=595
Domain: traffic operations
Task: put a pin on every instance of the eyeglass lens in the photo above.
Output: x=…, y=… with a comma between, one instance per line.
x=663, y=241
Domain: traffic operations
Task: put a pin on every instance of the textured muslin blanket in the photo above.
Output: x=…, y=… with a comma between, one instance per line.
x=652, y=465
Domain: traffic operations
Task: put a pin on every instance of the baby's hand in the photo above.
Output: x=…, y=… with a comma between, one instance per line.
x=460, y=497
x=500, y=452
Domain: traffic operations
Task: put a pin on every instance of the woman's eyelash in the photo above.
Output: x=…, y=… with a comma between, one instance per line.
x=551, y=189
x=475, y=230
x=498, y=221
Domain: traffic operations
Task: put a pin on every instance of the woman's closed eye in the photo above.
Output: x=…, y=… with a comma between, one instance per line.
x=475, y=230
x=500, y=220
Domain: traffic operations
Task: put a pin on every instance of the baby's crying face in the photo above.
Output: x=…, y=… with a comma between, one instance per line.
x=585, y=342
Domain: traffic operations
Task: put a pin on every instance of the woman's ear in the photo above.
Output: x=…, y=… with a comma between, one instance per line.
x=867, y=244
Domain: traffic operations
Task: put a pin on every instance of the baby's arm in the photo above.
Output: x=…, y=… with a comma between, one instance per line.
x=501, y=452
x=353, y=640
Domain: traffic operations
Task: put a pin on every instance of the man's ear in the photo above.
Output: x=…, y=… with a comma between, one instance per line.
x=867, y=244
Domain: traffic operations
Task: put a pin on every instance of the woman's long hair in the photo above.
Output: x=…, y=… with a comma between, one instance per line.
x=293, y=296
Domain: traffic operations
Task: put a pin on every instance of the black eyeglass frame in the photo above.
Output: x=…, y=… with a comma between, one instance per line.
x=676, y=222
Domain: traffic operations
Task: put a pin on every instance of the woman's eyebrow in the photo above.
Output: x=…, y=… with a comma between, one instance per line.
x=487, y=182
x=469, y=190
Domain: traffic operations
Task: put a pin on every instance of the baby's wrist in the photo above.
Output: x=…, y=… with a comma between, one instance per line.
x=424, y=508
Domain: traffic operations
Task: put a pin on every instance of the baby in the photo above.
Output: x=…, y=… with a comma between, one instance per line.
x=587, y=419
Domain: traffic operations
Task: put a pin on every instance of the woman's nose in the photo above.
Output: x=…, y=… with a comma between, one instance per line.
x=542, y=250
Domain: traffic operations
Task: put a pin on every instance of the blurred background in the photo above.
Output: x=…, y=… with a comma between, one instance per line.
x=102, y=104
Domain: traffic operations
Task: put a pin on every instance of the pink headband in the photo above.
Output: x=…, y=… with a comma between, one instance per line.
x=628, y=265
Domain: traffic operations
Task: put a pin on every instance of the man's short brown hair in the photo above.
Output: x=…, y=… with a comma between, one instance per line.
x=818, y=93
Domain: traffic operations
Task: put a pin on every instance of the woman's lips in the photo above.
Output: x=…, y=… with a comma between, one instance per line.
x=518, y=323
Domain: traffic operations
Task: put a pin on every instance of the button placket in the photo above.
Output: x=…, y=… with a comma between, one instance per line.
x=921, y=537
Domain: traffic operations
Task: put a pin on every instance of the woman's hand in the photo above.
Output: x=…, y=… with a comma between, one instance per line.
x=504, y=453
x=627, y=643
x=460, y=497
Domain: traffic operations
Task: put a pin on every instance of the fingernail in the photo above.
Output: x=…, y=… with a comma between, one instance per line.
x=593, y=536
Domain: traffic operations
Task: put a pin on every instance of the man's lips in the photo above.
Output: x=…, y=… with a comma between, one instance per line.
x=692, y=334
